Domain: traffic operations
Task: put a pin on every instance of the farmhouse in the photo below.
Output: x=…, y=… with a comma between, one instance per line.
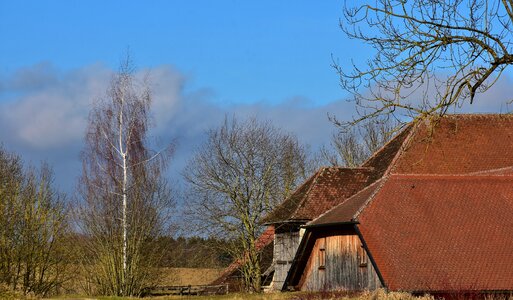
x=439, y=219
x=431, y=211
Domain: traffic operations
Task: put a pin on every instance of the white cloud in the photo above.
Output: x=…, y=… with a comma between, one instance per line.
x=167, y=87
x=48, y=110
x=48, y=114
x=43, y=114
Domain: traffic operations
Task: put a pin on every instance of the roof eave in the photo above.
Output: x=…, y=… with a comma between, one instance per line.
x=352, y=222
x=292, y=221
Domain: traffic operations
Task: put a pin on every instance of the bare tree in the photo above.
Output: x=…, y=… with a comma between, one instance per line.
x=125, y=199
x=430, y=55
x=33, y=228
x=350, y=148
x=241, y=172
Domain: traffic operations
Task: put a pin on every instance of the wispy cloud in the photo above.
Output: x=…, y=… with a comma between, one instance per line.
x=43, y=114
x=45, y=109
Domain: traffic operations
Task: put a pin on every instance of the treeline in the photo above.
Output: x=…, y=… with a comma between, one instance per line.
x=194, y=252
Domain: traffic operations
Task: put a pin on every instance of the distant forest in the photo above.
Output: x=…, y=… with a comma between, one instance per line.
x=193, y=252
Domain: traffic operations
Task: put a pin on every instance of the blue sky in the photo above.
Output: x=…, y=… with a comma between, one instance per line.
x=206, y=58
x=245, y=51
x=269, y=59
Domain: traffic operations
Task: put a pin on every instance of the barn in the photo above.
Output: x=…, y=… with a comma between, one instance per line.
x=435, y=215
x=431, y=211
x=327, y=188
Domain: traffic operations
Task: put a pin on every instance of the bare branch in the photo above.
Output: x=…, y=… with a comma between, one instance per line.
x=416, y=43
x=241, y=173
x=125, y=200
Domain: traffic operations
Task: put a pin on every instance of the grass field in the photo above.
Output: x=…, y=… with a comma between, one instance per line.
x=184, y=276
x=377, y=295
x=189, y=276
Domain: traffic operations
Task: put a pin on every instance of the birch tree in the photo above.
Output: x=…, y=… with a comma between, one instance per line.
x=429, y=55
x=241, y=172
x=126, y=200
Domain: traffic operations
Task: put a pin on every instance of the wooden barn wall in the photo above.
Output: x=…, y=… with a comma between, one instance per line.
x=342, y=265
x=285, y=247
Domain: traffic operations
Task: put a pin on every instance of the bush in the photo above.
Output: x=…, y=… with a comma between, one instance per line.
x=32, y=227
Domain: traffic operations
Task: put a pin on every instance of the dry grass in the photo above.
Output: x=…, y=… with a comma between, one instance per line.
x=188, y=276
x=169, y=277
x=234, y=296
x=382, y=294
x=7, y=294
x=377, y=295
x=345, y=295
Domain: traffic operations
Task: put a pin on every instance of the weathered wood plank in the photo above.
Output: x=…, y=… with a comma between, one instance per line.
x=285, y=247
x=343, y=264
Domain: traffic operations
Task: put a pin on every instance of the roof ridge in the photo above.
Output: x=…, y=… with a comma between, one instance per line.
x=497, y=115
x=381, y=182
x=413, y=129
x=306, y=181
x=345, y=168
x=491, y=170
x=345, y=201
x=451, y=176
x=386, y=144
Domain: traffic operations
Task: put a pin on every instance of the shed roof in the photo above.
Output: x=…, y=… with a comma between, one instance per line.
x=327, y=188
x=264, y=240
x=440, y=233
x=346, y=212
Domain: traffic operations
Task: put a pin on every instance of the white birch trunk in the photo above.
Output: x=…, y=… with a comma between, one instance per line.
x=123, y=192
x=124, y=224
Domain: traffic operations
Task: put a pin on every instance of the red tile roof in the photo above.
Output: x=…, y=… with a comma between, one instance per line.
x=326, y=189
x=458, y=144
x=346, y=212
x=439, y=233
x=382, y=159
x=331, y=186
x=442, y=216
